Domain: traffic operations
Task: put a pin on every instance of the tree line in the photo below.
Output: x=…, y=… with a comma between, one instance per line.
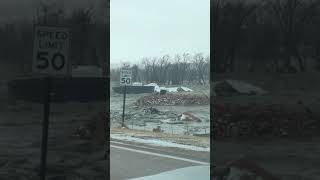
x=88, y=42
x=175, y=70
x=269, y=35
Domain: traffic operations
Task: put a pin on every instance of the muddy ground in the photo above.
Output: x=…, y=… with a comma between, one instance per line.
x=287, y=157
x=137, y=118
x=69, y=157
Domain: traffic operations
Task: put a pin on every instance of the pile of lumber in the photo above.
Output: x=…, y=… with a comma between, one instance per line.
x=173, y=99
x=254, y=120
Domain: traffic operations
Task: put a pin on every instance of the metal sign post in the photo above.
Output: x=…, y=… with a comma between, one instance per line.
x=125, y=80
x=124, y=104
x=45, y=126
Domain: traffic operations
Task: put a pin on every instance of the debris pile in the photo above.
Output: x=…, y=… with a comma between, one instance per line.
x=151, y=110
x=235, y=87
x=224, y=89
x=158, y=129
x=188, y=116
x=262, y=121
x=91, y=128
x=243, y=169
x=173, y=99
x=85, y=131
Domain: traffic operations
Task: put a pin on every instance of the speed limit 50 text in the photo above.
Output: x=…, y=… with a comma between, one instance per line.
x=51, y=50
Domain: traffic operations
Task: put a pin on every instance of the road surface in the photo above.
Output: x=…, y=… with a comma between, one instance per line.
x=131, y=160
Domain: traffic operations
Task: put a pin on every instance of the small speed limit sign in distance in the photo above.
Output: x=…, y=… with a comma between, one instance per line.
x=125, y=76
x=50, y=54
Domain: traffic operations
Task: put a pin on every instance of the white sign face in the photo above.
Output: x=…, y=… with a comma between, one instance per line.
x=125, y=76
x=50, y=53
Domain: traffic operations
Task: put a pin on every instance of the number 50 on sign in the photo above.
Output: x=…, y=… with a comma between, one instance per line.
x=125, y=76
x=50, y=54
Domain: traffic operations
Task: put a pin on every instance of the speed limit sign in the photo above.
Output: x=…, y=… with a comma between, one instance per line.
x=125, y=76
x=50, y=54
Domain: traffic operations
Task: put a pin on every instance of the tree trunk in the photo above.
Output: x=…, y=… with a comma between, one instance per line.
x=301, y=62
x=232, y=57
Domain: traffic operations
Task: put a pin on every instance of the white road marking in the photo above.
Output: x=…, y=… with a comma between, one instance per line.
x=160, y=155
x=144, y=147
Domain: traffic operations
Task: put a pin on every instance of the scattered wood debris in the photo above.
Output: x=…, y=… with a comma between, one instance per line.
x=173, y=99
x=262, y=120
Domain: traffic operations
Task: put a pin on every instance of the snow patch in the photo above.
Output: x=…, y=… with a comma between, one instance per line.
x=157, y=88
x=175, y=89
x=245, y=88
x=186, y=89
x=157, y=142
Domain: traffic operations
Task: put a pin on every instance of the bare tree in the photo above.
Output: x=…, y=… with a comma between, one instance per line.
x=166, y=70
x=163, y=65
x=292, y=16
x=229, y=17
x=147, y=69
x=217, y=6
x=240, y=12
x=154, y=69
x=200, y=65
x=135, y=73
x=80, y=23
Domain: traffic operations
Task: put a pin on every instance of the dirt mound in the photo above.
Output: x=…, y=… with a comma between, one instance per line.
x=173, y=99
x=236, y=87
x=258, y=120
x=244, y=169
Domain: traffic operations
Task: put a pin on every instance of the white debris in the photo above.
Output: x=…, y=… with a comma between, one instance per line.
x=185, y=116
x=137, y=84
x=175, y=89
x=151, y=84
x=245, y=88
x=156, y=87
x=157, y=142
x=229, y=87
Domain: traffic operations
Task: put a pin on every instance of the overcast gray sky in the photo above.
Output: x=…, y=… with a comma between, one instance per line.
x=149, y=28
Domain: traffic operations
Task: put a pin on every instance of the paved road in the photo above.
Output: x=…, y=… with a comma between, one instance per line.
x=128, y=160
